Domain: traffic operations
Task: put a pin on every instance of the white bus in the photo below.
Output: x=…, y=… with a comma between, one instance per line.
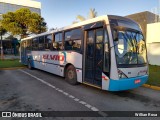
x=107, y=52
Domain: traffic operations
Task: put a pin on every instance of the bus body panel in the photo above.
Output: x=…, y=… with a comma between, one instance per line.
x=134, y=72
x=113, y=66
x=105, y=82
x=55, y=62
x=127, y=83
x=79, y=75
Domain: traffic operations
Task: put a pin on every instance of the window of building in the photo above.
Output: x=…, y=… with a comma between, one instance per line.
x=73, y=39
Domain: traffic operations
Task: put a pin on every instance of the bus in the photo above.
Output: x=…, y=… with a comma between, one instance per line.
x=107, y=52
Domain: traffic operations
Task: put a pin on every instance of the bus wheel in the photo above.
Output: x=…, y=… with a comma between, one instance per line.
x=29, y=65
x=71, y=75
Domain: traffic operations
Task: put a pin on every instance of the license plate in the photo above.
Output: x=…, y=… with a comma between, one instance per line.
x=137, y=81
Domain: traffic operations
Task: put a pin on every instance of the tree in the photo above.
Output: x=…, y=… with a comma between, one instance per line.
x=52, y=29
x=92, y=14
x=2, y=32
x=23, y=22
x=2, y=29
x=80, y=18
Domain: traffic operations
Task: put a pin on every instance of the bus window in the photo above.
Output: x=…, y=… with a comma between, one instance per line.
x=106, y=53
x=29, y=45
x=77, y=45
x=99, y=53
x=48, y=42
x=23, y=44
x=58, y=44
x=76, y=34
x=35, y=43
x=41, y=43
x=73, y=39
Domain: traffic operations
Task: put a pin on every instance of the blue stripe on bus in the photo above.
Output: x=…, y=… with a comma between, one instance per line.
x=32, y=63
x=126, y=84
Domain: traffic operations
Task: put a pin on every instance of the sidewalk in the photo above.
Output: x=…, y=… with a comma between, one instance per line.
x=11, y=57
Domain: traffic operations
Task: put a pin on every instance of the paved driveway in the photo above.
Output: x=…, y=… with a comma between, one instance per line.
x=35, y=90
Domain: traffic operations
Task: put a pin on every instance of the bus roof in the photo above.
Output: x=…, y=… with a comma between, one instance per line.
x=100, y=18
x=105, y=18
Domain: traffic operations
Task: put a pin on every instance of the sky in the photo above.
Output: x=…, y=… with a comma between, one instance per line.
x=60, y=13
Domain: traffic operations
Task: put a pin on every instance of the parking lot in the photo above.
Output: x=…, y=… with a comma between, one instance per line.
x=35, y=90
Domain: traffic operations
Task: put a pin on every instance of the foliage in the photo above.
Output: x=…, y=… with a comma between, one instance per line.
x=92, y=14
x=52, y=29
x=2, y=30
x=154, y=75
x=23, y=22
x=80, y=17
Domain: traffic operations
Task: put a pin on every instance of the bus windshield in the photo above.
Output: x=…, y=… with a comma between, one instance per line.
x=130, y=48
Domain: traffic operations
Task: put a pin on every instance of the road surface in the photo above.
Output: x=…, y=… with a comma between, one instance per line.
x=36, y=90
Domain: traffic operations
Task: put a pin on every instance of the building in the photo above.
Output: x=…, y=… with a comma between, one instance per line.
x=144, y=18
x=150, y=28
x=12, y=6
x=153, y=43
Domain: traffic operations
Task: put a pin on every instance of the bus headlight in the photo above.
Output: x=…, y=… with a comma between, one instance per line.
x=121, y=74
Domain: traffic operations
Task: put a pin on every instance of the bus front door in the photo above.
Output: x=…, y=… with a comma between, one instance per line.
x=93, y=57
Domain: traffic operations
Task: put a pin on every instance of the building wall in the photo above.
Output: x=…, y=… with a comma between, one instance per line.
x=28, y=3
x=143, y=18
x=13, y=5
x=153, y=43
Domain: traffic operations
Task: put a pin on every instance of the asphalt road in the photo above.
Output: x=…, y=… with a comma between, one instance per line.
x=35, y=90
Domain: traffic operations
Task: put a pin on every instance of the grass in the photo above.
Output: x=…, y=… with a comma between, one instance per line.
x=154, y=75
x=10, y=63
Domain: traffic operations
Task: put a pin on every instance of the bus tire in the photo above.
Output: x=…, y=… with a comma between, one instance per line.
x=29, y=65
x=71, y=75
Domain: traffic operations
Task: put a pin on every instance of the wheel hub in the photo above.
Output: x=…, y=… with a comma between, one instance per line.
x=70, y=74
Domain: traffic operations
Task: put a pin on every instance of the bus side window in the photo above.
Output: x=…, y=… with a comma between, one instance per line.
x=35, y=43
x=29, y=45
x=41, y=43
x=48, y=42
x=58, y=44
x=106, y=52
x=73, y=39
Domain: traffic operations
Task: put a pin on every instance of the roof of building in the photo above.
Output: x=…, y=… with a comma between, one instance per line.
x=144, y=12
x=27, y=3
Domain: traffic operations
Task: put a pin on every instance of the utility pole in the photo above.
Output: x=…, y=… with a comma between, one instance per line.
x=2, y=57
x=2, y=31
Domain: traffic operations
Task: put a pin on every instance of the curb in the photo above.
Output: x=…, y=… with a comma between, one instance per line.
x=151, y=87
x=14, y=68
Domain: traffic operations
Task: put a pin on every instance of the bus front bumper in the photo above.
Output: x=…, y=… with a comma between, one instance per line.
x=127, y=83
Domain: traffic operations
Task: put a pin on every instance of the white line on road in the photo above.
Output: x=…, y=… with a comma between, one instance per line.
x=63, y=92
